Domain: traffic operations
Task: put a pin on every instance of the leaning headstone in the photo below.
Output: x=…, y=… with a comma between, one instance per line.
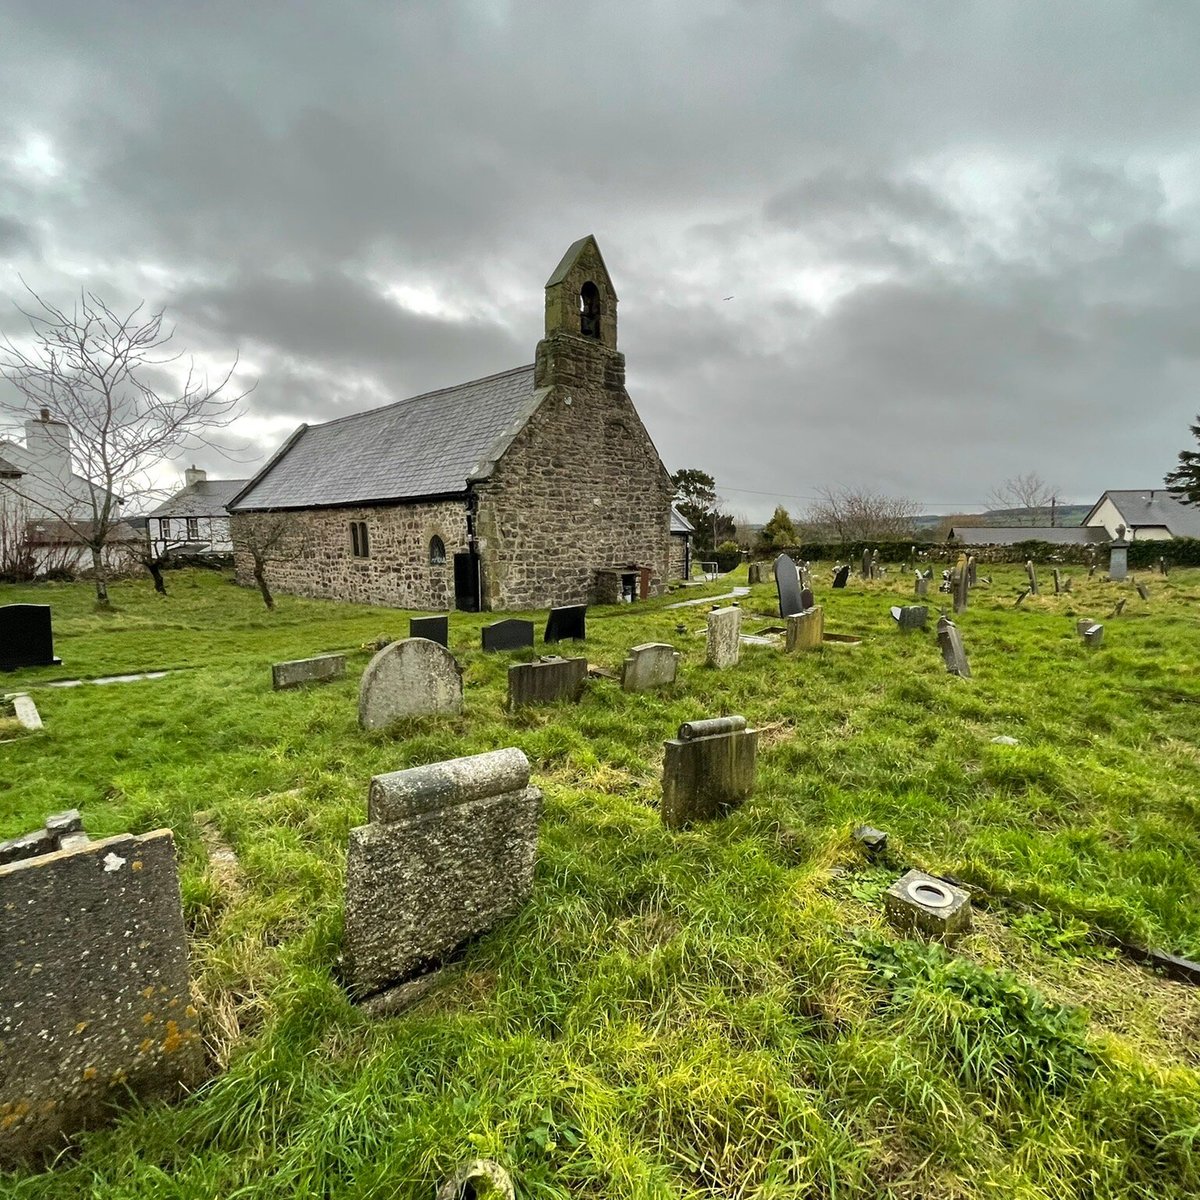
x=1057, y=582
x=1116, y=612
x=919, y=904
x=448, y=852
x=94, y=1001
x=652, y=665
x=26, y=637
x=840, y=576
x=1066, y=587
x=1029, y=570
x=1143, y=590
x=961, y=583
x=1091, y=631
x=910, y=616
x=950, y=641
x=509, y=634
x=787, y=586
x=566, y=623
x=708, y=770
x=546, y=682
x=300, y=671
x=1021, y=598
x=723, y=647
x=805, y=631
x=20, y=706
x=432, y=629
x=921, y=586
x=410, y=678
x=1118, y=561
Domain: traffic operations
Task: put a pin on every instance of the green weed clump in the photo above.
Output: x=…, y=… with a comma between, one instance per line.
x=714, y=1012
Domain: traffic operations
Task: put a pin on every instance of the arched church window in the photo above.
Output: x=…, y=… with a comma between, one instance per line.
x=437, y=552
x=589, y=310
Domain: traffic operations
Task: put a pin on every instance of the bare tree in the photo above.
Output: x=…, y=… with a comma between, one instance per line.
x=1029, y=495
x=267, y=537
x=859, y=515
x=100, y=387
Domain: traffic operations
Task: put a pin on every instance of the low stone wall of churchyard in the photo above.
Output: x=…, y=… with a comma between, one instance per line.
x=319, y=559
x=1019, y=552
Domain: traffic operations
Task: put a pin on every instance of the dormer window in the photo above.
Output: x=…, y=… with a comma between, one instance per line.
x=589, y=310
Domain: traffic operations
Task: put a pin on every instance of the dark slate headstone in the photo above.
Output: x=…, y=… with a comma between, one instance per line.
x=26, y=637
x=432, y=629
x=1143, y=590
x=806, y=599
x=787, y=584
x=569, y=621
x=509, y=634
x=840, y=577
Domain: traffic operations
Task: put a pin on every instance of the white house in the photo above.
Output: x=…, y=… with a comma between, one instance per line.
x=195, y=517
x=1148, y=515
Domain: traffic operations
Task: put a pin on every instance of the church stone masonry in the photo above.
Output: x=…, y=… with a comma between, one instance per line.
x=551, y=491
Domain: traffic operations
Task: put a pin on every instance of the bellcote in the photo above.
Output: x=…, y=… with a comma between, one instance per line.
x=580, y=298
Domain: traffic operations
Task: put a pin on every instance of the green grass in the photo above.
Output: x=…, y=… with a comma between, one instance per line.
x=717, y=1012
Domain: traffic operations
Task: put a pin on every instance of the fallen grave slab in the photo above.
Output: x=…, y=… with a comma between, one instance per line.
x=321, y=669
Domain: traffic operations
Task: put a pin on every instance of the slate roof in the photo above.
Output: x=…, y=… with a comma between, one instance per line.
x=1154, y=506
x=680, y=523
x=50, y=532
x=205, y=499
x=7, y=468
x=429, y=445
x=1058, y=535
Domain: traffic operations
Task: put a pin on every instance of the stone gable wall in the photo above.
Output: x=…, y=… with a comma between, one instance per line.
x=319, y=562
x=679, y=557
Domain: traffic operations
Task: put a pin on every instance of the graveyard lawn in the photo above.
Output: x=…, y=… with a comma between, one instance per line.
x=718, y=1011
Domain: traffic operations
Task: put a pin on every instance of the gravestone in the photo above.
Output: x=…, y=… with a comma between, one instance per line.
x=509, y=634
x=950, y=641
x=1066, y=587
x=708, y=770
x=546, y=682
x=875, y=570
x=866, y=564
x=960, y=583
x=94, y=1001
x=1118, y=561
x=787, y=586
x=410, y=678
x=723, y=646
x=1162, y=567
x=971, y=570
x=1091, y=569
x=566, y=623
x=1057, y=582
x=20, y=706
x=26, y=637
x=447, y=853
x=840, y=576
x=1021, y=598
x=651, y=665
x=910, y=616
x=754, y=574
x=432, y=629
x=1116, y=612
x=1029, y=570
x=300, y=671
x=919, y=904
x=806, y=630
x=1091, y=631
x=921, y=586
x=1143, y=590
x=806, y=599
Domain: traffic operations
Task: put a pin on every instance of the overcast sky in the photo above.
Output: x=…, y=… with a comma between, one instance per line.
x=916, y=246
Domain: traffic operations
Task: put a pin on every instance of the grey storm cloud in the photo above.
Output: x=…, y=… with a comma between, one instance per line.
x=913, y=247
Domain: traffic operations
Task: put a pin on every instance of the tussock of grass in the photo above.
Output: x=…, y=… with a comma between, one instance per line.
x=717, y=1012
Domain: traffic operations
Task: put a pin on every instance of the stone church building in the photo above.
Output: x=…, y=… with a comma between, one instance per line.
x=534, y=487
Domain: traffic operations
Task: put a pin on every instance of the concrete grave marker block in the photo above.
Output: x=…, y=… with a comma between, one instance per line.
x=805, y=630
x=94, y=1001
x=448, y=853
x=950, y=641
x=723, y=646
x=410, y=678
x=651, y=665
x=919, y=904
x=708, y=770
x=546, y=682
x=321, y=669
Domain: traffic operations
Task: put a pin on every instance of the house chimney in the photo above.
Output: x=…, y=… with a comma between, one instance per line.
x=48, y=442
x=194, y=475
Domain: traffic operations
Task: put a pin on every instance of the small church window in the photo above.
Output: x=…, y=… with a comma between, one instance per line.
x=360, y=546
x=589, y=310
x=437, y=552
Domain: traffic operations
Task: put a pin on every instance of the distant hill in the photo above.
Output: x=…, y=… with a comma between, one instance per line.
x=1064, y=515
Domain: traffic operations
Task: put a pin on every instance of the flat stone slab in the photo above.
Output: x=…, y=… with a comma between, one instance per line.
x=22, y=707
x=410, y=678
x=650, y=665
x=737, y=591
x=299, y=671
x=723, y=641
x=104, y=679
x=547, y=682
x=94, y=1002
x=918, y=904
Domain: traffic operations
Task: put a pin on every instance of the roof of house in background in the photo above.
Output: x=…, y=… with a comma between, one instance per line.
x=680, y=523
x=1058, y=535
x=49, y=532
x=204, y=499
x=1153, y=507
x=19, y=452
x=429, y=445
x=10, y=469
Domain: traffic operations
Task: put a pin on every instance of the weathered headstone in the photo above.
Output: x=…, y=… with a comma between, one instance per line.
x=840, y=576
x=708, y=770
x=1091, y=631
x=919, y=904
x=804, y=570
x=723, y=647
x=1162, y=567
x=1021, y=598
x=866, y=564
x=300, y=671
x=546, y=682
x=960, y=583
x=1066, y=587
x=26, y=637
x=448, y=852
x=950, y=641
x=787, y=586
x=410, y=678
x=94, y=1002
x=921, y=586
x=21, y=707
x=806, y=599
x=566, y=623
x=971, y=570
x=432, y=629
x=651, y=665
x=1032, y=573
x=1057, y=582
x=1116, y=612
x=1143, y=590
x=910, y=616
x=509, y=634
x=754, y=574
x=805, y=630
x=1118, y=561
